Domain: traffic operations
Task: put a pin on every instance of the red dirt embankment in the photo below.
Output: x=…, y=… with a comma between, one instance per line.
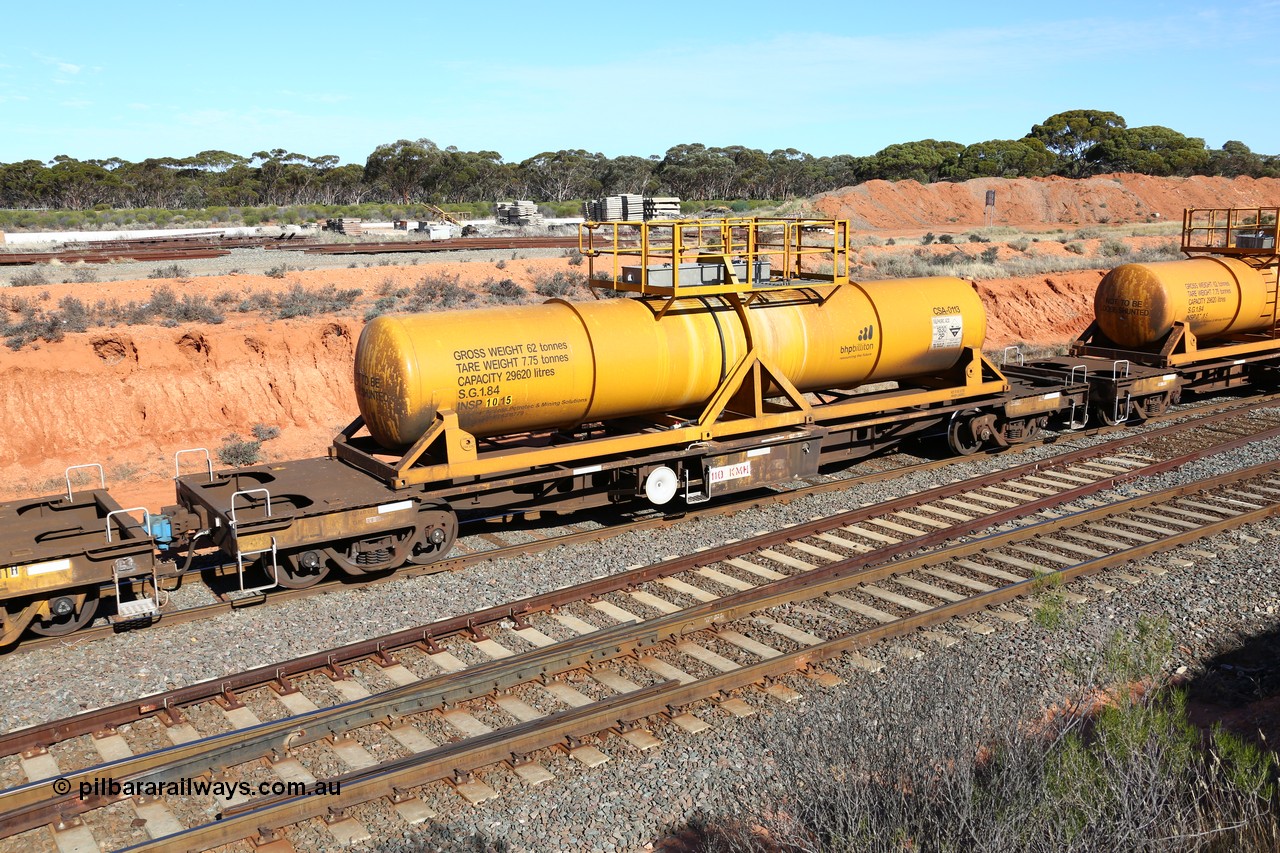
x=1043, y=310
x=130, y=397
x=1040, y=202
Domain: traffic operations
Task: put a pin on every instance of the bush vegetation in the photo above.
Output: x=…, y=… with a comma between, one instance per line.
x=24, y=322
x=944, y=763
x=299, y=301
x=398, y=178
x=558, y=284
x=174, y=271
x=237, y=450
x=29, y=277
x=505, y=292
x=986, y=263
x=1113, y=249
x=264, y=432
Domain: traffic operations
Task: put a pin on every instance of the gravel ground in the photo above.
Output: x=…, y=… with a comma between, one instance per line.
x=627, y=802
x=622, y=805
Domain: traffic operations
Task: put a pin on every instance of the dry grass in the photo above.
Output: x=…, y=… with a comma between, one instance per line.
x=944, y=762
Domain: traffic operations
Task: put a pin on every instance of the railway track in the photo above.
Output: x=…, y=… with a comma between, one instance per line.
x=191, y=248
x=490, y=545
x=102, y=256
x=452, y=245
x=147, y=249
x=572, y=669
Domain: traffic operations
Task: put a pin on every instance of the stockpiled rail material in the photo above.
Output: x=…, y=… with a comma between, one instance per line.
x=875, y=575
x=630, y=207
x=561, y=364
x=517, y=213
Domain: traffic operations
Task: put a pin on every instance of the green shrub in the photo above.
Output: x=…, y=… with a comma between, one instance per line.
x=947, y=239
x=239, y=451
x=1113, y=249
x=165, y=306
x=558, y=284
x=505, y=292
x=1074, y=248
x=31, y=325
x=29, y=277
x=263, y=432
x=1052, y=610
x=258, y=300
x=927, y=239
x=436, y=290
x=1169, y=250
x=171, y=271
x=990, y=254
x=73, y=314
x=383, y=305
x=301, y=302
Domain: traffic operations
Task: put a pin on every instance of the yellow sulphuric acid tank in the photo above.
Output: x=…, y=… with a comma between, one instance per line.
x=1137, y=304
x=561, y=364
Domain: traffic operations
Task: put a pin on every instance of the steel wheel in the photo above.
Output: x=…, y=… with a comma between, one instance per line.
x=1108, y=416
x=66, y=619
x=300, y=569
x=435, y=539
x=960, y=435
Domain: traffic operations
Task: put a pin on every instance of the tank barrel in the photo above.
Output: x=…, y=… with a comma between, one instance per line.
x=1136, y=305
x=561, y=364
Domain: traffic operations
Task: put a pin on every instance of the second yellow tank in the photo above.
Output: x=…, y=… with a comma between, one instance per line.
x=1136, y=305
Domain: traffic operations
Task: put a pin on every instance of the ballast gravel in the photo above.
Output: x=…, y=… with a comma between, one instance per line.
x=628, y=802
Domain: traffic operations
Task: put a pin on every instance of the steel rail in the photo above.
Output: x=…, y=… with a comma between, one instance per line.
x=178, y=248
x=27, y=806
x=107, y=255
x=451, y=245
x=463, y=561
x=42, y=736
x=442, y=762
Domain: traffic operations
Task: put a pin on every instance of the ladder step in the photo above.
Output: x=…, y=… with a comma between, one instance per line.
x=130, y=611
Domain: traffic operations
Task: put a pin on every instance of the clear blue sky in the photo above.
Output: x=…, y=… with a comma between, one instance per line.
x=136, y=80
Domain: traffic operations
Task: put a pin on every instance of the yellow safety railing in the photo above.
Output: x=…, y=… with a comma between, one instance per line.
x=1231, y=231
x=692, y=257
